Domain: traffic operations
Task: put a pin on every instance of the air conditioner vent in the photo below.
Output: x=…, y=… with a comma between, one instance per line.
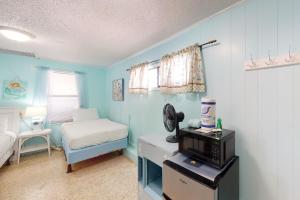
x=20, y=53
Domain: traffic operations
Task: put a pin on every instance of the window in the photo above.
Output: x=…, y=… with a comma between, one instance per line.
x=182, y=72
x=63, y=96
x=153, y=76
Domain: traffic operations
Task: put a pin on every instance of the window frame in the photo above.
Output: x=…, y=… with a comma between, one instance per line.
x=155, y=66
x=49, y=96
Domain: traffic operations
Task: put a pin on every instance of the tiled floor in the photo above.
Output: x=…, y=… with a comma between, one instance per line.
x=38, y=177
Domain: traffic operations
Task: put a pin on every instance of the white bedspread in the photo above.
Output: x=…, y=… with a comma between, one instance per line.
x=88, y=133
x=7, y=140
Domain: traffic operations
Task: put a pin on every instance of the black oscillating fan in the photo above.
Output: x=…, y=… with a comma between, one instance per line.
x=171, y=121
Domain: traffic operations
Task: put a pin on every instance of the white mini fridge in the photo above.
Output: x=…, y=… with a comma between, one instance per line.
x=185, y=178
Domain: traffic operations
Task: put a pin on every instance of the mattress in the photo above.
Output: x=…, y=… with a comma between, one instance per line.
x=7, y=141
x=93, y=132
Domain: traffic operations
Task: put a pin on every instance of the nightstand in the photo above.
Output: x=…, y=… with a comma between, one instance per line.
x=27, y=135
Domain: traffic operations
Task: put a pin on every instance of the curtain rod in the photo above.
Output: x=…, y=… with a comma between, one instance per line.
x=200, y=45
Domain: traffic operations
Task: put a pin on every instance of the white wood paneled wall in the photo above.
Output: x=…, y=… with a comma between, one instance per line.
x=263, y=106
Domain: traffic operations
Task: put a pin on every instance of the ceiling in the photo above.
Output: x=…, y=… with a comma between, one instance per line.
x=99, y=32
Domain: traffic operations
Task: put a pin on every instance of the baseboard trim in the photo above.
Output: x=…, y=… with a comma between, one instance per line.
x=131, y=154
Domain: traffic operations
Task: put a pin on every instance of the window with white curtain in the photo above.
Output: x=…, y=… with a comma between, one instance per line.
x=153, y=76
x=138, y=81
x=63, y=96
x=182, y=71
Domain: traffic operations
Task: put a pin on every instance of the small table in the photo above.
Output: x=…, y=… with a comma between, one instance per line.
x=24, y=136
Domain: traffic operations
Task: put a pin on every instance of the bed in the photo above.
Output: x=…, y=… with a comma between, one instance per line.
x=88, y=137
x=7, y=141
x=9, y=128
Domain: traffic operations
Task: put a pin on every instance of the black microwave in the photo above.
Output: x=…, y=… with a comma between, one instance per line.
x=212, y=149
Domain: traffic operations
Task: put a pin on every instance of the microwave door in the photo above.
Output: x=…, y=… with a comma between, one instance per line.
x=188, y=143
x=197, y=145
x=204, y=148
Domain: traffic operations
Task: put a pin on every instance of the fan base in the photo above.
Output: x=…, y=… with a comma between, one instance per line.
x=172, y=139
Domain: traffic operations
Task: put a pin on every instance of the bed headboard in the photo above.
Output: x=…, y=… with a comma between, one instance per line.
x=13, y=116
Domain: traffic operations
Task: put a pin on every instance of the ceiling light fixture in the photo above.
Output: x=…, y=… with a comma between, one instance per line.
x=16, y=34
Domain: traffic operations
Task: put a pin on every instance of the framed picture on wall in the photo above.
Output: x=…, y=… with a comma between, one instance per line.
x=14, y=89
x=118, y=90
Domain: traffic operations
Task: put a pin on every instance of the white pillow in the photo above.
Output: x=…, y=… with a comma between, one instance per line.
x=3, y=124
x=80, y=115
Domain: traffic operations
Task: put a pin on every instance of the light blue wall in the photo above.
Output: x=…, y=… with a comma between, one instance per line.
x=12, y=66
x=262, y=106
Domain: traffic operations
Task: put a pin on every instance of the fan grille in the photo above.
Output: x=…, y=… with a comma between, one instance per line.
x=169, y=117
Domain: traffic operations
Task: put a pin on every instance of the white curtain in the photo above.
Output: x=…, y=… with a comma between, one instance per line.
x=138, y=82
x=82, y=89
x=41, y=88
x=182, y=72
